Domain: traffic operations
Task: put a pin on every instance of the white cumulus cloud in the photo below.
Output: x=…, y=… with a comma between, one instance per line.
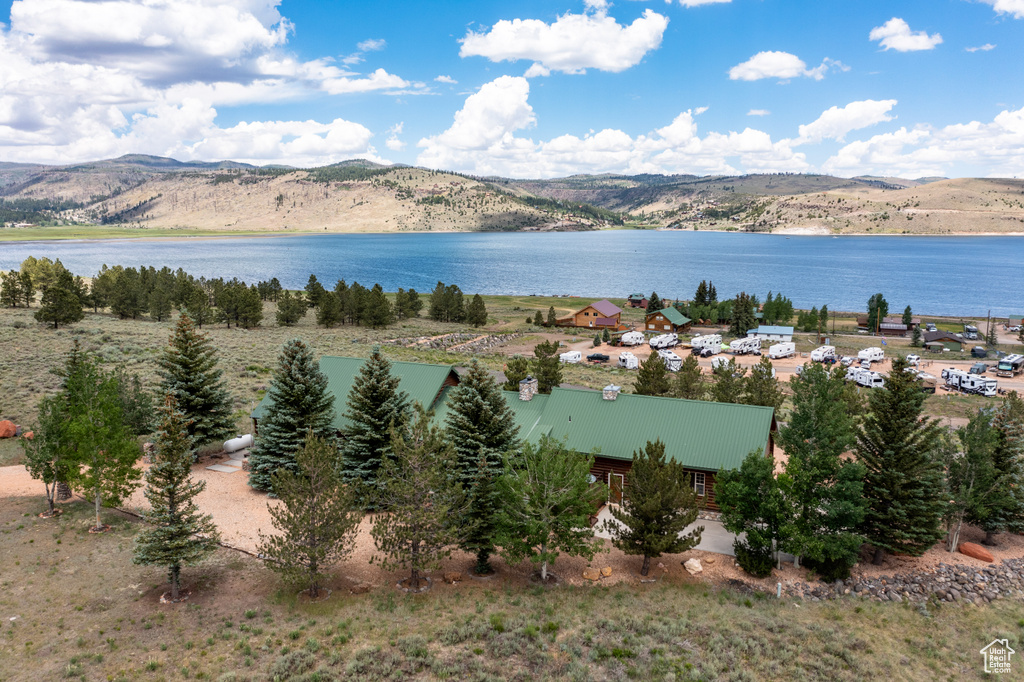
x=83, y=79
x=781, y=65
x=835, y=122
x=573, y=43
x=393, y=143
x=1014, y=8
x=446, y=79
x=981, y=48
x=895, y=34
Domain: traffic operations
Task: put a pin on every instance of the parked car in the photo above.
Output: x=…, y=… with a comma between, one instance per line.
x=978, y=368
x=930, y=327
x=912, y=360
x=979, y=352
x=846, y=361
x=598, y=357
x=1014, y=328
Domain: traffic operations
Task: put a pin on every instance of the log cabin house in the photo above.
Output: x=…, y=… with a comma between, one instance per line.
x=601, y=314
x=666, y=320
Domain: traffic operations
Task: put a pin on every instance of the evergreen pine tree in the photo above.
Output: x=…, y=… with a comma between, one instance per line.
x=743, y=319
x=314, y=290
x=689, y=382
x=328, y=309
x=316, y=521
x=516, y=369
x=728, y=385
x=423, y=500
x=652, y=378
x=197, y=306
x=546, y=367
x=378, y=312
x=700, y=297
x=752, y=505
x=291, y=309
x=481, y=427
x=374, y=404
x=659, y=505
x=126, y=297
x=552, y=320
x=823, y=491
x=712, y=293
x=761, y=387
x=414, y=304
x=250, y=307
x=606, y=336
x=298, y=403
x=538, y=320
x=878, y=308
x=10, y=289
x=476, y=311
x=908, y=316
x=915, y=337
x=188, y=371
x=28, y=289
x=179, y=534
x=654, y=303
x=904, y=480
x=437, y=310
x=1006, y=503
x=60, y=303
x=972, y=481
x=159, y=304
x=401, y=304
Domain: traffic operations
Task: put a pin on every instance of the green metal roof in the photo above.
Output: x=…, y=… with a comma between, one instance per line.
x=672, y=315
x=698, y=434
x=637, y=297
x=422, y=382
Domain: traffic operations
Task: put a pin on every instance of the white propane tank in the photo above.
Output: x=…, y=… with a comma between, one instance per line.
x=236, y=444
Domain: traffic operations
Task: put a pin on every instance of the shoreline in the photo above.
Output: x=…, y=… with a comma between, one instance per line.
x=6, y=237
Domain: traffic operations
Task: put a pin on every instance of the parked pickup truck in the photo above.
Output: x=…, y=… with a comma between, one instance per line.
x=598, y=357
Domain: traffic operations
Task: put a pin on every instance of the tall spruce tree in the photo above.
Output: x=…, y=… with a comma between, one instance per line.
x=60, y=304
x=291, y=309
x=904, y=480
x=316, y=522
x=538, y=319
x=824, y=492
x=689, y=383
x=753, y=506
x=552, y=320
x=659, y=505
x=482, y=428
x=188, y=371
x=476, y=311
x=378, y=312
x=761, y=387
x=179, y=535
x=652, y=378
x=546, y=366
x=654, y=302
x=423, y=499
x=516, y=369
x=298, y=403
x=743, y=319
x=329, y=311
x=1006, y=503
x=374, y=404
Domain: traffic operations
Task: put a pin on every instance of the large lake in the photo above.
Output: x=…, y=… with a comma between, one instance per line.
x=935, y=275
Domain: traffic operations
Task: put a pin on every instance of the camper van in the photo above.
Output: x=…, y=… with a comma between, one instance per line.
x=628, y=360
x=672, y=361
x=664, y=341
x=824, y=354
x=874, y=354
x=632, y=339
x=782, y=350
x=745, y=346
x=571, y=357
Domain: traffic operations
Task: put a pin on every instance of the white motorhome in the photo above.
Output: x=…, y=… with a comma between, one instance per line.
x=632, y=339
x=664, y=341
x=823, y=354
x=628, y=360
x=874, y=354
x=745, y=346
x=707, y=345
x=1010, y=366
x=965, y=382
x=571, y=357
x=865, y=377
x=782, y=350
x=672, y=361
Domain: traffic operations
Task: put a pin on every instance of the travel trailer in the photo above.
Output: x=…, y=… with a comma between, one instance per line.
x=664, y=341
x=745, y=346
x=632, y=339
x=824, y=354
x=782, y=350
x=571, y=357
x=672, y=361
x=628, y=360
x=874, y=354
x=965, y=382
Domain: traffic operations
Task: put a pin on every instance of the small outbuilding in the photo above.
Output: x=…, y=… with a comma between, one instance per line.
x=667, y=320
x=771, y=332
x=637, y=301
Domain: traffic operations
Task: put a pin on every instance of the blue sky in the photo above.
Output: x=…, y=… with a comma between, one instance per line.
x=525, y=89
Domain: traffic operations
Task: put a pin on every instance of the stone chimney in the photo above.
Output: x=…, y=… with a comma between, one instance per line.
x=527, y=388
x=611, y=392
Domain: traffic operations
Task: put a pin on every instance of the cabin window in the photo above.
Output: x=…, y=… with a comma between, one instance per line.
x=668, y=327
x=698, y=484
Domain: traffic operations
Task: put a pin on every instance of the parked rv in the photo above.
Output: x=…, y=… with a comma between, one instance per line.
x=745, y=346
x=664, y=341
x=865, y=377
x=927, y=381
x=970, y=332
x=672, y=361
x=782, y=350
x=707, y=345
x=571, y=357
x=873, y=354
x=628, y=360
x=824, y=354
x=1010, y=366
x=913, y=360
x=632, y=339
x=965, y=382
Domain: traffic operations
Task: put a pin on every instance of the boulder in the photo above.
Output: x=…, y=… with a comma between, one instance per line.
x=361, y=588
x=709, y=560
x=28, y=435
x=591, y=574
x=606, y=571
x=452, y=577
x=693, y=566
x=976, y=551
x=8, y=429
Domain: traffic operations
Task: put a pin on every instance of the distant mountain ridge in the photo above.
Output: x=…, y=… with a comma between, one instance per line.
x=362, y=195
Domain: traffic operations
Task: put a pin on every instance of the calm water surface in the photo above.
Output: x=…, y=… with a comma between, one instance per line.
x=934, y=275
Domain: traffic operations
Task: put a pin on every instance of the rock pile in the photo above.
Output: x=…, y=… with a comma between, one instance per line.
x=486, y=343
x=947, y=583
x=440, y=342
